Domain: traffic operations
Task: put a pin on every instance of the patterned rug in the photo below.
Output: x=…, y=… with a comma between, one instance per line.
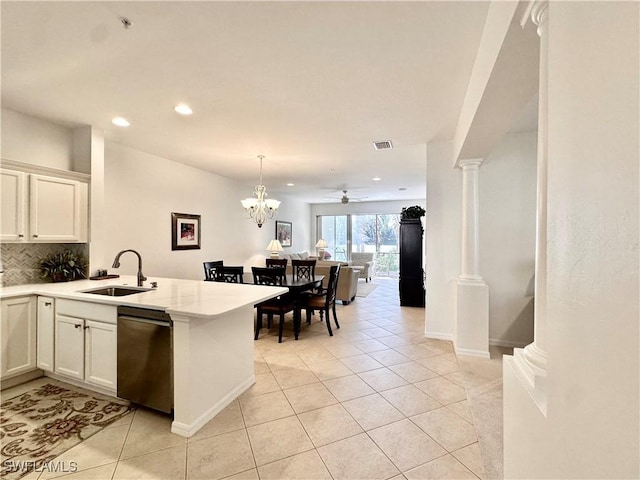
x=40, y=424
x=365, y=288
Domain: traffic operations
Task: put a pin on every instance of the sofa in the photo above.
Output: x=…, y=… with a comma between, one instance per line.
x=364, y=262
x=347, y=277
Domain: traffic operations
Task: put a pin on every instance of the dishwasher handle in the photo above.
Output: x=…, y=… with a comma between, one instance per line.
x=161, y=323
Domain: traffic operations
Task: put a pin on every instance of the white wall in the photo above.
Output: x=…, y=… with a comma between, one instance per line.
x=141, y=192
x=35, y=141
x=507, y=185
x=507, y=193
x=592, y=428
x=443, y=240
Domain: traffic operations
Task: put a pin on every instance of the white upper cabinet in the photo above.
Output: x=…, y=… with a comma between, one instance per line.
x=54, y=209
x=13, y=189
x=43, y=208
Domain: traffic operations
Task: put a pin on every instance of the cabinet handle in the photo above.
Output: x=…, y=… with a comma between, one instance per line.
x=20, y=235
x=85, y=327
x=47, y=304
x=77, y=325
x=35, y=235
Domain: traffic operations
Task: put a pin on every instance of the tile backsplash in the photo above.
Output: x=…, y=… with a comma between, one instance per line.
x=20, y=260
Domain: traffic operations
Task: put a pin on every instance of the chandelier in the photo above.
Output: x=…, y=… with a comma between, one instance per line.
x=260, y=209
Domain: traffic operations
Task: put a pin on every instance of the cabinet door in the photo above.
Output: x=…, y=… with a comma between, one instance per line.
x=69, y=346
x=54, y=209
x=18, y=336
x=100, y=354
x=45, y=335
x=13, y=209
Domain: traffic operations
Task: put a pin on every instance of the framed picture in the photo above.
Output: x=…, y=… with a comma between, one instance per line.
x=185, y=231
x=283, y=233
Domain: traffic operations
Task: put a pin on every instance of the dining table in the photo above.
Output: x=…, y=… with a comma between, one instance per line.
x=297, y=286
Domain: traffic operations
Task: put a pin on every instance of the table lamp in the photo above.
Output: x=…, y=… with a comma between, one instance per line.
x=321, y=245
x=274, y=247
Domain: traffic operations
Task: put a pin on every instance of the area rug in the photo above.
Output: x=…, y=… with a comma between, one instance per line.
x=39, y=425
x=365, y=288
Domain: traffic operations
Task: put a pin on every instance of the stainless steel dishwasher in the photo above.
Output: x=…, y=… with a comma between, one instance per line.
x=145, y=357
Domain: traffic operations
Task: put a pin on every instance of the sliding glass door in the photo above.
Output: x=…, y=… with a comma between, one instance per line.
x=335, y=232
x=374, y=233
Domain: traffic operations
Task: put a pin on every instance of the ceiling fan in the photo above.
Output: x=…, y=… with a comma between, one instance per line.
x=346, y=198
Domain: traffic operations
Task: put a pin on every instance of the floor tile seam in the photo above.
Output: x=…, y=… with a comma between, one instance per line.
x=161, y=449
x=384, y=453
x=385, y=389
x=481, y=458
x=191, y=440
x=313, y=447
x=472, y=423
x=430, y=436
x=126, y=437
x=253, y=455
x=439, y=457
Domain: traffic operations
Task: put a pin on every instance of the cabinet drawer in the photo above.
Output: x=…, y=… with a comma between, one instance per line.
x=87, y=310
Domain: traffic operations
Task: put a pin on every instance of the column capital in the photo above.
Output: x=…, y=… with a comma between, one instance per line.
x=538, y=11
x=464, y=163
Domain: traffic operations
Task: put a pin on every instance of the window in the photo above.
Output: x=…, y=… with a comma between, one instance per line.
x=376, y=233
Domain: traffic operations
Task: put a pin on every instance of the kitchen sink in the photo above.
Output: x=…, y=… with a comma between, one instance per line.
x=116, y=290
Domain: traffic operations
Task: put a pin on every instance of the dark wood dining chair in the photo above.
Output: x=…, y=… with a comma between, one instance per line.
x=276, y=262
x=230, y=274
x=275, y=306
x=304, y=269
x=210, y=269
x=324, y=302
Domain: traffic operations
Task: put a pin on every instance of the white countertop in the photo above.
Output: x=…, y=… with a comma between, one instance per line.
x=196, y=299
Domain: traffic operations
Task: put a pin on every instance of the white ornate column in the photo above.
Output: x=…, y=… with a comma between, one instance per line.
x=471, y=335
x=532, y=360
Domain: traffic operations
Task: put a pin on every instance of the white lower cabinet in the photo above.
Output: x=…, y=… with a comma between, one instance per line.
x=69, y=346
x=18, y=332
x=86, y=349
x=45, y=335
x=100, y=354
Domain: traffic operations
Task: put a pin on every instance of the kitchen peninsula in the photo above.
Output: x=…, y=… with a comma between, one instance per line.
x=212, y=334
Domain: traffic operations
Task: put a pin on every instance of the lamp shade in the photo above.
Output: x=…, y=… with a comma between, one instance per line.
x=275, y=246
x=321, y=244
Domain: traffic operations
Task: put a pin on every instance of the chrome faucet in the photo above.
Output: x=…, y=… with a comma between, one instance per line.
x=116, y=264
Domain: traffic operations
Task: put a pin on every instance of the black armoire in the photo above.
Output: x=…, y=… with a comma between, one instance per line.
x=411, y=274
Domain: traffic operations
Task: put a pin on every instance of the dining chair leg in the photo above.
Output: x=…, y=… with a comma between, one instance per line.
x=328, y=322
x=258, y=325
x=335, y=317
x=281, y=328
x=269, y=319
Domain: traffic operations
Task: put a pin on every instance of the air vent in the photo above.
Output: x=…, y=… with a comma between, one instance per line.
x=384, y=145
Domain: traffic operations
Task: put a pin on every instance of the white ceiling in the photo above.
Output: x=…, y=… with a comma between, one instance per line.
x=308, y=84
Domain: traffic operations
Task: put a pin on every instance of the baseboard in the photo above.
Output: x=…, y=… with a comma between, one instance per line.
x=19, y=379
x=498, y=342
x=472, y=353
x=188, y=430
x=439, y=336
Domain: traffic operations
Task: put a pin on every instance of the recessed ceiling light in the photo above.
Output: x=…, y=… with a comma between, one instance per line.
x=183, y=109
x=376, y=179
x=290, y=184
x=121, y=122
x=402, y=189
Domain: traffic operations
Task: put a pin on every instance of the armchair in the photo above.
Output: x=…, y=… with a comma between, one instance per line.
x=363, y=261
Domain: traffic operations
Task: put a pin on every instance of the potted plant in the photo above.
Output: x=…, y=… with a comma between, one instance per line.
x=412, y=212
x=63, y=266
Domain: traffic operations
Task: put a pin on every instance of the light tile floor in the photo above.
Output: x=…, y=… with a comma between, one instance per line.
x=375, y=401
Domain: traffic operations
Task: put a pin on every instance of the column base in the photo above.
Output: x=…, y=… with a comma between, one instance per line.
x=530, y=366
x=472, y=317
